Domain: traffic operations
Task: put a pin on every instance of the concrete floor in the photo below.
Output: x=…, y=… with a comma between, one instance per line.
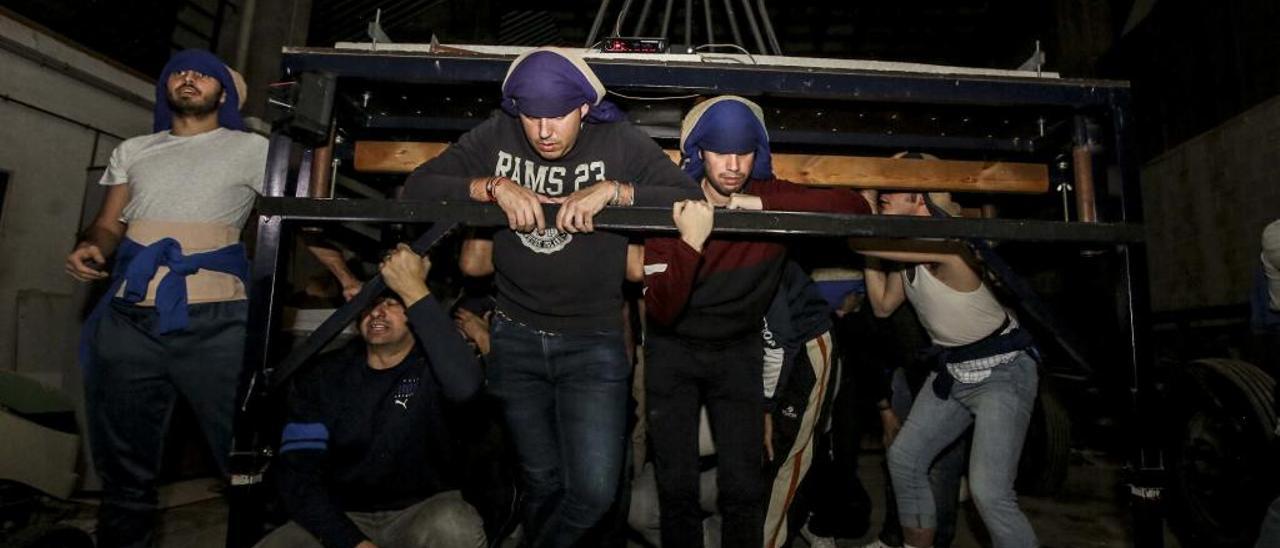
x=1089, y=512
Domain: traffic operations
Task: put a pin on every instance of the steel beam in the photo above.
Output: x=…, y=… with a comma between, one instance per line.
x=276, y=376
x=716, y=79
x=1147, y=476
x=249, y=451
x=760, y=223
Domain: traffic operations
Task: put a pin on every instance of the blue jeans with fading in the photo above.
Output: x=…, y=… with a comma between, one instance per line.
x=564, y=397
x=999, y=409
x=944, y=476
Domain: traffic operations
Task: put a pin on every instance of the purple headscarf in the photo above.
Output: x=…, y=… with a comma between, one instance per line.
x=205, y=63
x=550, y=82
x=725, y=124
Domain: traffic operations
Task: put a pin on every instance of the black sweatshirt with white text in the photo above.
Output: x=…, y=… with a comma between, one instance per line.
x=556, y=281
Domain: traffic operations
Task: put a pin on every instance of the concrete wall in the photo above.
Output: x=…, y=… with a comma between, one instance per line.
x=1206, y=202
x=63, y=111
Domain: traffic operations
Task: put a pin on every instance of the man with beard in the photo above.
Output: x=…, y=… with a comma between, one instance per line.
x=172, y=323
x=558, y=362
x=706, y=300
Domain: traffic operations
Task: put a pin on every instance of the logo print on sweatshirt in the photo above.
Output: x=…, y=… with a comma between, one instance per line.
x=405, y=390
x=549, y=180
x=550, y=241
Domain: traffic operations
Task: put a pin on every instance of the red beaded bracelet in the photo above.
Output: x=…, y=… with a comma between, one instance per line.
x=492, y=186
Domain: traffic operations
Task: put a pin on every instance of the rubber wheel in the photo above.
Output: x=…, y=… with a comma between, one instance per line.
x=1046, y=452
x=1222, y=425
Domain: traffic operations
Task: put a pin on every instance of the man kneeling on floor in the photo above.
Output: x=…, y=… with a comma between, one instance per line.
x=367, y=457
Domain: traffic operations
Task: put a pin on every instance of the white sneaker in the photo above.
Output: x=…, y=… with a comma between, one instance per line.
x=877, y=544
x=816, y=541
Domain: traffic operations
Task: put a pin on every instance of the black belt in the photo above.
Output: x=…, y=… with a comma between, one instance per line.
x=996, y=343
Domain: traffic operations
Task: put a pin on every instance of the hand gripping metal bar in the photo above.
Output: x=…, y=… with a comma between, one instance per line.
x=348, y=312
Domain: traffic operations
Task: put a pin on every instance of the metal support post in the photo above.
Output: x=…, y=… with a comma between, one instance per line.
x=266, y=281
x=595, y=25
x=1148, y=478
x=1082, y=161
x=321, y=182
x=1146, y=468
x=249, y=450
x=755, y=27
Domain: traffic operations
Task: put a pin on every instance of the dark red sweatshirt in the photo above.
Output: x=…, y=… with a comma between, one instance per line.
x=723, y=292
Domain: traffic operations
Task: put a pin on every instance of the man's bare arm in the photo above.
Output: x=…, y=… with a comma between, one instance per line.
x=951, y=258
x=884, y=289
x=476, y=258
x=336, y=264
x=87, y=262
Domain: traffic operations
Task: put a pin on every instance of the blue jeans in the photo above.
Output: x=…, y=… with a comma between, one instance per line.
x=130, y=392
x=999, y=408
x=564, y=397
x=944, y=476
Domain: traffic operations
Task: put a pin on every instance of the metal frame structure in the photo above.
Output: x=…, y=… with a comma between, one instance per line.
x=1088, y=118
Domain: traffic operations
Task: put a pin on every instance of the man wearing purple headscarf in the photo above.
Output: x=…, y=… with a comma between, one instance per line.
x=173, y=321
x=706, y=300
x=558, y=361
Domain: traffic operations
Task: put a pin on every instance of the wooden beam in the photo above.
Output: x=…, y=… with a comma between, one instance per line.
x=912, y=174
x=394, y=156
x=809, y=169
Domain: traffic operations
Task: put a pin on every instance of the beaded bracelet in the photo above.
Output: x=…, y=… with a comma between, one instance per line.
x=491, y=186
x=617, y=194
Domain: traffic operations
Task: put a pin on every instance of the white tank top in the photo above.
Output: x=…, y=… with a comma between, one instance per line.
x=953, y=318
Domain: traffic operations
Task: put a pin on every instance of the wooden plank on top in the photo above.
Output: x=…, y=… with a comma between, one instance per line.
x=809, y=169
x=394, y=156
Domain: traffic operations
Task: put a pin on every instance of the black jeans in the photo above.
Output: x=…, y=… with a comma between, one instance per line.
x=131, y=388
x=680, y=378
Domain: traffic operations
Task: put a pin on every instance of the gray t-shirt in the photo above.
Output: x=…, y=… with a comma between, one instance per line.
x=212, y=177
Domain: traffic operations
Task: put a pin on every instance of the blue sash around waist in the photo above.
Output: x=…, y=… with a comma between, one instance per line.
x=137, y=264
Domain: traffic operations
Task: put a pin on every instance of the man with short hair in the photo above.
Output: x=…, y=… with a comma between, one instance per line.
x=369, y=455
x=558, y=361
x=706, y=299
x=984, y=376
x=172, y=323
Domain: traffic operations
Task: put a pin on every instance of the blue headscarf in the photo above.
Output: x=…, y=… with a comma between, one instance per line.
x=725, y=124
x=205, y=63
x=550, y=82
